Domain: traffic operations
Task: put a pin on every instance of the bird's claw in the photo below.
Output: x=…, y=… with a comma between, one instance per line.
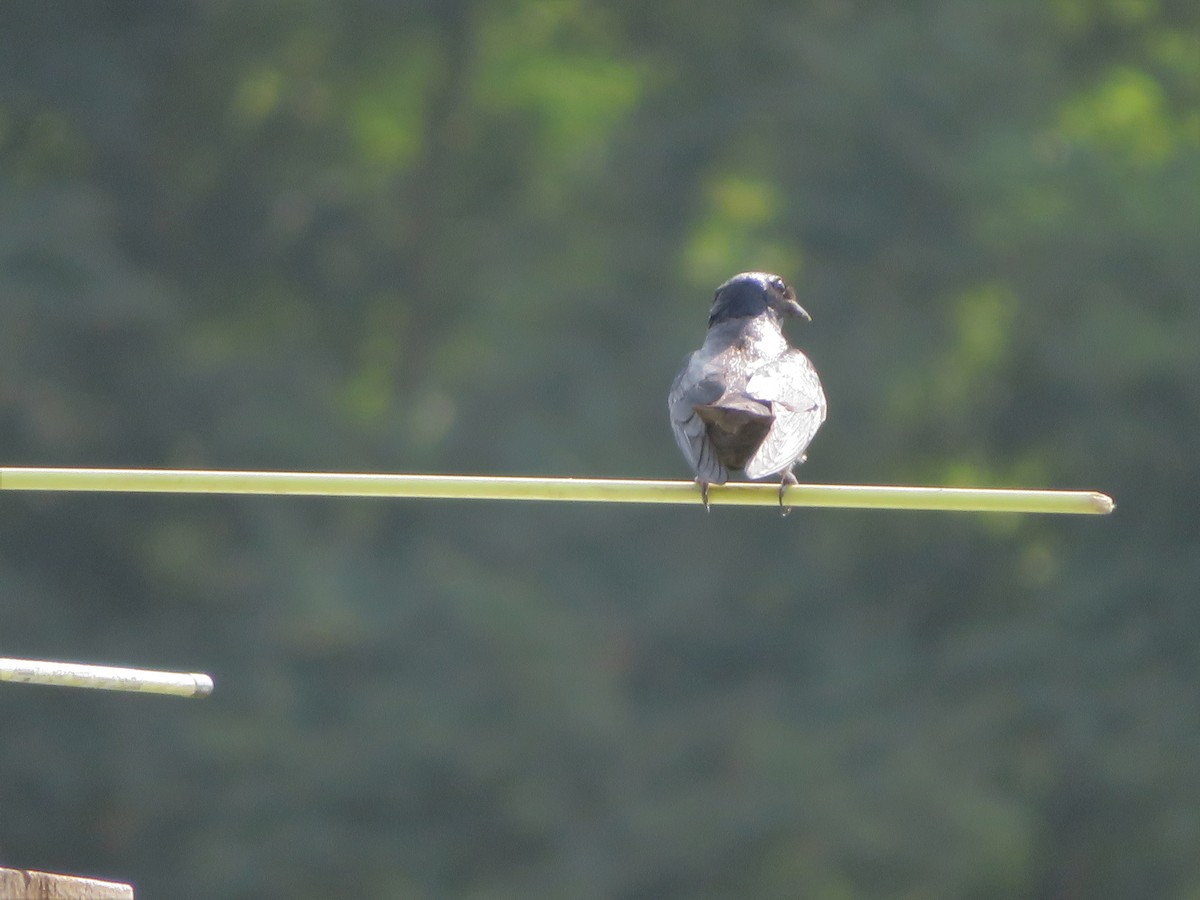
x=785, y=482
x=703, y=493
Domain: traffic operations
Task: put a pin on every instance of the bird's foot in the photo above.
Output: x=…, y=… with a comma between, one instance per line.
x=785, y=482
x=703, y=493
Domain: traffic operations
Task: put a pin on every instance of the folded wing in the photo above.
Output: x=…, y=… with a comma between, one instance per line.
x=693, y=388
x=790, y=384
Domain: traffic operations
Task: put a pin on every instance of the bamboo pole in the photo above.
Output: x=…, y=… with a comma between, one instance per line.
x=105, y=678
x=603, y=490
x=26, y=884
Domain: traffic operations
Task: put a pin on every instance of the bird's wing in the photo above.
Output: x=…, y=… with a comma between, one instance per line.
x=694, y=387
x=791, y=385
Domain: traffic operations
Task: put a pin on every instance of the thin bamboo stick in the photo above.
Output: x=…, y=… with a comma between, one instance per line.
x=478, y=487
x=105, y=678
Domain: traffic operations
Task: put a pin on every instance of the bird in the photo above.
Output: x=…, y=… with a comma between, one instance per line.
x=747, y=400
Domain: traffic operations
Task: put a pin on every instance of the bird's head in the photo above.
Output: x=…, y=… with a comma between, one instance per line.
x=752, y=294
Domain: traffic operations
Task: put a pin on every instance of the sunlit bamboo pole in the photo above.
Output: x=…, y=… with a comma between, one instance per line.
x=603, y=490
x=105, y=678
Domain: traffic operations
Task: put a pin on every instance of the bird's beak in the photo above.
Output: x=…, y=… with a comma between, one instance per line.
x=797, y=310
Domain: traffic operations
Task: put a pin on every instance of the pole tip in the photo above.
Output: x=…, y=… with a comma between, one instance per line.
x=1102, y=503
x=204, y=684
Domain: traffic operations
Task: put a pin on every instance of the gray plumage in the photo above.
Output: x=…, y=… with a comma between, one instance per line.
x=747, y=400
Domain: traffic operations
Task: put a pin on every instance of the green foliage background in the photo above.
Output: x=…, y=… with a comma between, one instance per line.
x=466, y=236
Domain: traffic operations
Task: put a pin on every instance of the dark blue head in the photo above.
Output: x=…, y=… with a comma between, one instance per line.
x=752, y=294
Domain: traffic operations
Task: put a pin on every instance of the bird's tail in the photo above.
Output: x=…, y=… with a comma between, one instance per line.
x=734, y=412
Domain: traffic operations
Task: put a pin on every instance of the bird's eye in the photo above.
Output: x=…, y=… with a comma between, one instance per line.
x=778, y=284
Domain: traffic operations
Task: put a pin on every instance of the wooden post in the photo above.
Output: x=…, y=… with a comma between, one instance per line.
x=22, y=884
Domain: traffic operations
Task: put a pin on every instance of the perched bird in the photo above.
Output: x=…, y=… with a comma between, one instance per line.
x=747, y=400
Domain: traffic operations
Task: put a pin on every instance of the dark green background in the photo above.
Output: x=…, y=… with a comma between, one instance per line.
x=452, y=236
